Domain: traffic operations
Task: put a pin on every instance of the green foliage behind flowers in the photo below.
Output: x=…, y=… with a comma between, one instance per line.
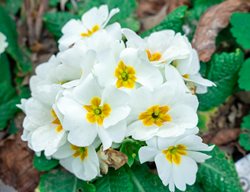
x=223, y=71
x=240, y=28
x=245, y=133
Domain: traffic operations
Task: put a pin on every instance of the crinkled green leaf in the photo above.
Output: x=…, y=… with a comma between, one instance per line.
x=41, y=163
x=240, y=28
x=54, y=22
x=245, y=133
x=63, y=181
x=218, y=174
x=8, y=28
x=130, y=148
x=173, y=21
x=223, y=71
x=138, y=178
x=126, y=17
x=115, y=181
x=244, y=79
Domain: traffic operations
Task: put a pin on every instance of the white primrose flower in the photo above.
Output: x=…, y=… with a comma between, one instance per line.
x=42, y=126
x=3, y=43
x=175, y=158
x=175, y=50
x=65, y=70
x=188, y=69
x=90, y=112
x=167, y=111
x=91, y=22
x=161, y=47
x=127, y=71
x=81, y=161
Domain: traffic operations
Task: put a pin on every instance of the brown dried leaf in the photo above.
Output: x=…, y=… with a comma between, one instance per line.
x=111, y=158
x=225, y=136
x=212, y=22
x=16, y=168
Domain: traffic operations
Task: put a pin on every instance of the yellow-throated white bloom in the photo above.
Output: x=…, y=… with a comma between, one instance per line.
x=175, y=50
x=91, y=22
x=161, y=47
x=128, y=71
x=165, y=112
x=90, y=112
x=3, y=43
x=81, y=161
x=175, y=158
x=42, y=126
x=188, y=69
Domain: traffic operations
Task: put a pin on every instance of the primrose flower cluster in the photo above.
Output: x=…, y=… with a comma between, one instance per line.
x=99, y=90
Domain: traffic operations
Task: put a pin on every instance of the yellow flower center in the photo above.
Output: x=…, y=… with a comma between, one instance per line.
x=173, y=153
x=155, y=115
x=56, y=121
x=97, y=113
x=153, y=56
x=186, y=76
x=91, y=31
x=81, y=152
x=125, y=76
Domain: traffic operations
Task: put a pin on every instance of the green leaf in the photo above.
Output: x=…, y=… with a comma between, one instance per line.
x=244, y=80
x=138, y=178
x=115, y=181
x=43, y=164
x=8, y=101
x=8, y=28
x=126, y=17
x=130, y=148
x=8, y=111
x=56, y=20
x=223, y=71
x=245, y=135
x=54, y=3
x=5, y=75
x=218, y=174
x=240, y=28
x=63, y=181
x=173, y=21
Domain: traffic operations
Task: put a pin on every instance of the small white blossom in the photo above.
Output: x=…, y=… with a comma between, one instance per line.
x=90, y=112
x=91, y=22
x=176, y=158
x=42, y=126
x=81, y=161
x=166, y=111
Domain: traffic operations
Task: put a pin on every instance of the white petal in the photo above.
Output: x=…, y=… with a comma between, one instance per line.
x=118, y=131
x=164, y=168
x=184, y=173
x=140, y=132
x=87, y=90
x=147, y=154
x=133, y=40
x=183, y=116
x=198, y=156
x=104, y=137
x=63, y=152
